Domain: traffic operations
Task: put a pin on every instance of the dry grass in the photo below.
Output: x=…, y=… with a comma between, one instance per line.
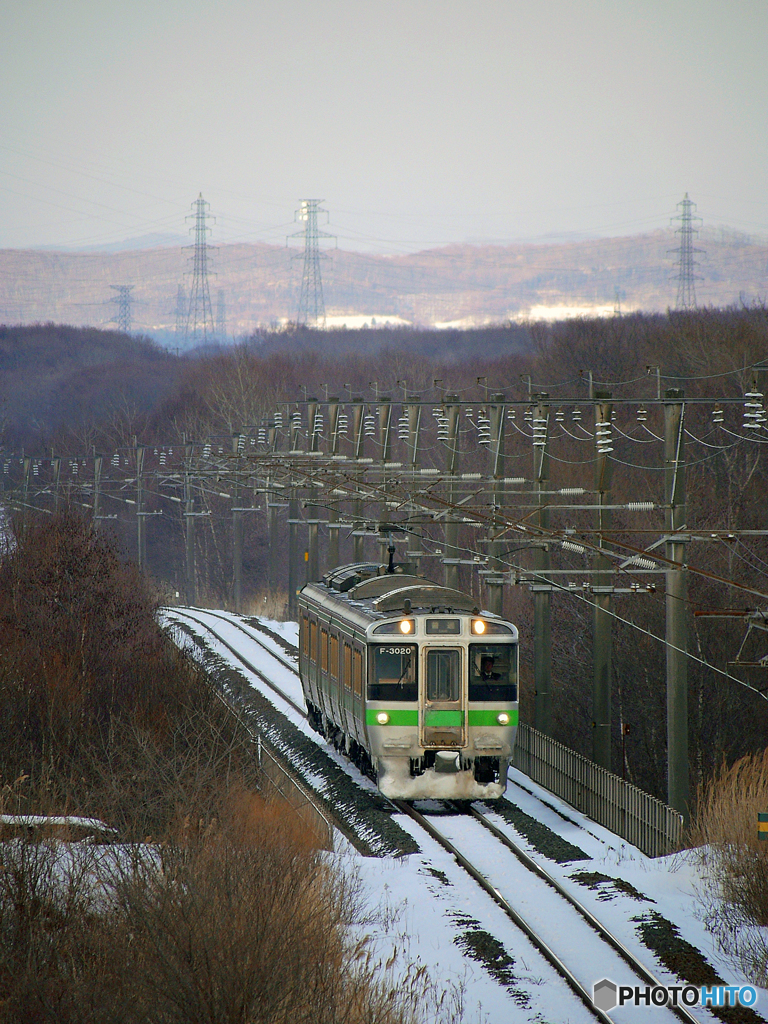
x=238, y=919
x=268, y=604
x=216, y=906
x=735, y=891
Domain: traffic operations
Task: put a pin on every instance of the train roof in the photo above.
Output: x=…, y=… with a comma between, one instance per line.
x=367, y=591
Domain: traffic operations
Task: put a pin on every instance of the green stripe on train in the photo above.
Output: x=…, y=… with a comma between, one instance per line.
x=397, y=716
x=479, y=717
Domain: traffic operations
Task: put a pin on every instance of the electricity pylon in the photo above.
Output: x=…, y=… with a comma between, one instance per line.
x=199, y=329
x=123, y=299
x=686, y=290
x=311, y=311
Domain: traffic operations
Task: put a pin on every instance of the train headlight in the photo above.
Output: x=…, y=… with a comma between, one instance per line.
x=406, y=626
x=382, y=718
x=478, y=626
x=503, y=718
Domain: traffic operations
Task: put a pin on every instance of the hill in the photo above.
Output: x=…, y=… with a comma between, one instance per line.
x=464, y=285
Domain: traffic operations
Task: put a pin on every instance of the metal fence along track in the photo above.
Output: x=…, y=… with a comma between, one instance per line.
x=641, y=819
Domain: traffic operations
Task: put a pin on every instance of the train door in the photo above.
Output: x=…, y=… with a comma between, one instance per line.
x=443, y=703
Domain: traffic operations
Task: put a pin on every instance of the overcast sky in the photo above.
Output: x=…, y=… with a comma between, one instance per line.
x=419, y=122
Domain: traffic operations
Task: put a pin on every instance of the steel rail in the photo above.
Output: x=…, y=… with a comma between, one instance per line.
x=616, y=944
x=549, y=955
x=546, y=951
x=243, y=660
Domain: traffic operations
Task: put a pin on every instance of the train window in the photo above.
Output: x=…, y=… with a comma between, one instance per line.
x=393, y=672
x=443, y=680
x=335, y=657
x=348, y=666
x=393, y=627
x=313, y=641
x=357, y=674
x=305, y=634
x=498, y=628
x=324, y=649
x=443, y=627
x=493, y=672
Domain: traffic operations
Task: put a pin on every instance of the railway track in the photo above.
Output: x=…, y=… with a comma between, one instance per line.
x=494, y=881
x=492, y=872
x=199, y=616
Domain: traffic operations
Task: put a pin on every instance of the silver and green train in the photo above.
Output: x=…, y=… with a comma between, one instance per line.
x=411, y=681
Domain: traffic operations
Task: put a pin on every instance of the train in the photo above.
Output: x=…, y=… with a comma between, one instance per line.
x=411, y=681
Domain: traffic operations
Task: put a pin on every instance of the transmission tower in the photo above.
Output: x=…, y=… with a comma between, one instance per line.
x=199, y=327
x=686, y=290
x=123, y=299
x=181, y=311
x=221, y=315
x=311, y=305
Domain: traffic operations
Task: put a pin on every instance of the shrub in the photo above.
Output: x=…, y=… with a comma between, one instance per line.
x=735, y=890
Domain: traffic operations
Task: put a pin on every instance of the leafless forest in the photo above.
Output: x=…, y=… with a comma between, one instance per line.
x=76, y=391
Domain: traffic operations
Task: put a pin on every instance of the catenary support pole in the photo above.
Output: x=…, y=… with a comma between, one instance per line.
x=451, y=553
x=189, y=519
x=141, y=521
x=542, y=589
x=494, y=577
x=412, y=410
x=602, y=587
x=678, y=794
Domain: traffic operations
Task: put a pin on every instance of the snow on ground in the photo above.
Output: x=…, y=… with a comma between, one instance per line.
x=428, y=906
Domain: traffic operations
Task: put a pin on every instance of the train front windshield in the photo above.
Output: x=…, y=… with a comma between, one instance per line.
x=493, y=672
x=393, y=672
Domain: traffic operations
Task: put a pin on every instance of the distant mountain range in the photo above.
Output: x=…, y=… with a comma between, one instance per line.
x=458, y=284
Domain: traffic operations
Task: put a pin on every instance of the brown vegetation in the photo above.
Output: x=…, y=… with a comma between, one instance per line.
x=735, y=861
x=208, y=903
x=704, y=352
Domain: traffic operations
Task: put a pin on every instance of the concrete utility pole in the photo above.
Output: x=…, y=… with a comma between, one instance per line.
x=333, y=511
x=385, y=447
x=189, y=518
x=678, y=794
x=293, y=522
x=141, y=522
x=494, y=578
x=450, y=431
x=358, y=435
x=412, y=425
x=237, y=527
x=275, y=506
x=602, y=588
x=98, y=461
x=542, y=589
x=313, y=445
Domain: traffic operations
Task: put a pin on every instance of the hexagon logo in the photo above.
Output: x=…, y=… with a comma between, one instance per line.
x=604, y=994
